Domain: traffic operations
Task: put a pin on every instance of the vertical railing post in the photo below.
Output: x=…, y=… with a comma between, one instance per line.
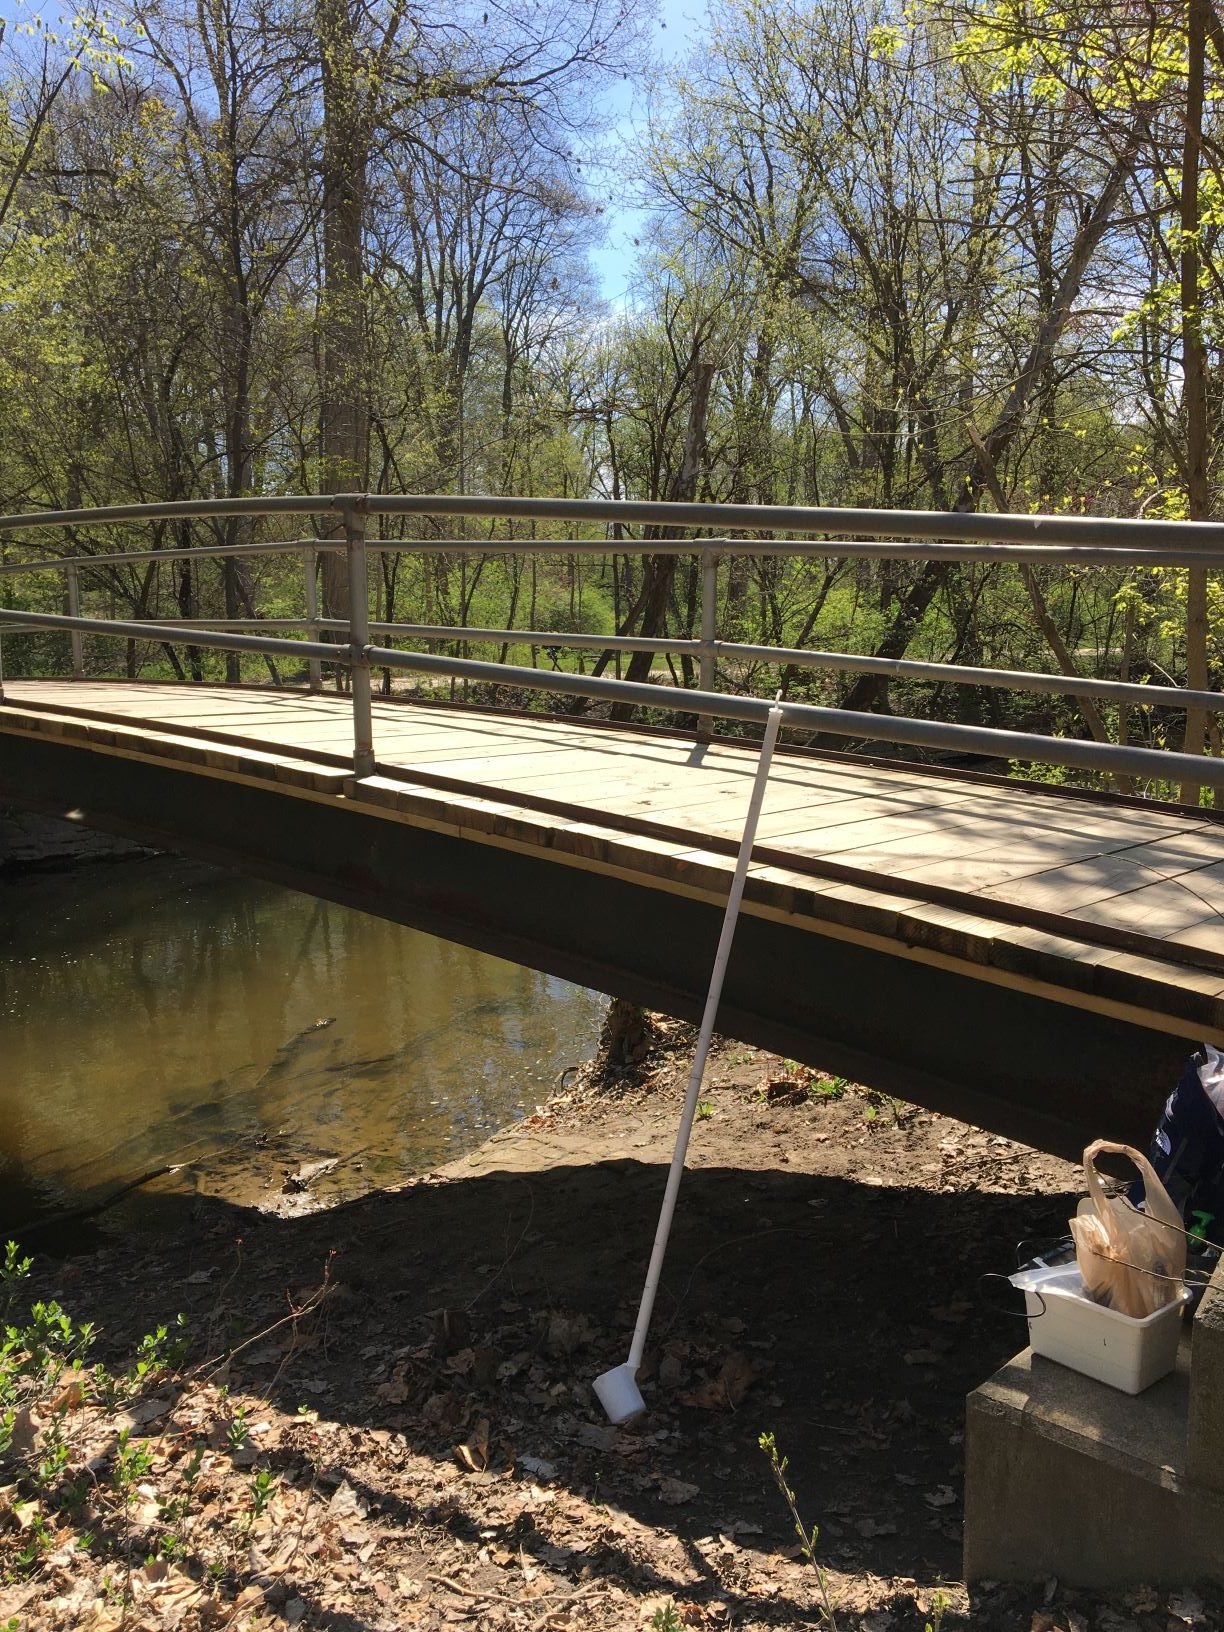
x=709, y=619
x=74, y=611
x=310, y=575
x=706, y=666
x=359, y=641
x=1194, y=740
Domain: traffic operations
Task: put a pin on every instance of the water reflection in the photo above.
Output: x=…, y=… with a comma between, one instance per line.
x=159, y=1011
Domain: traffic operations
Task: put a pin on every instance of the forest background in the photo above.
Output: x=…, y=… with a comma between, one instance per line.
x=951, y=255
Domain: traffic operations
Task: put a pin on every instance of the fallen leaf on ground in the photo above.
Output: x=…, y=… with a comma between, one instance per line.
x=70, y=1395
x=443, y=1411
x=452, y=1330
x=567, y=1333
x=395, y=1390
x=652, y=1611
x=538, y=1466
x=872, y=1527
x=676, y=1491
x=103, y=1618
x=726, y=1391
x=596, y=1436
x=953, y=1313
x=23, y=1433
x=346, y=1504
x=146, y=1411
x=473, y=1454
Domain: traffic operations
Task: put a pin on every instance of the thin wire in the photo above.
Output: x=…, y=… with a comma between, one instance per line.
x=1190, y=1277
x=1016, y=1314
x=1180, y=1229
x=1156, y=1274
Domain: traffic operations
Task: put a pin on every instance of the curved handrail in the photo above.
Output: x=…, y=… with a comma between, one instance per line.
x=831, y=522
x=1111, y=758
x=925, y=535
x=858, y=549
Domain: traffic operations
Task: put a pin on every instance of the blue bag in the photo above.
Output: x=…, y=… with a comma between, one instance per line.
x=1187, y=1152
x=1187, y=1148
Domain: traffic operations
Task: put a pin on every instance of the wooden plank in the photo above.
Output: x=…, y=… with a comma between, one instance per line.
x=654, y=797
x=1067, y=889
x=1133, y=978
x=1154, y=910
x=967, y=855
x=456, y=741
x=1207, y=933
x=1047, y=956
x=846, y=834
x=1127, y=869
x=1204, y=882
x=1007, y=820
x=603, y=777
x=1110, y=891
x=830, y=834
x=191, y=751
x=327, y=705
x=828, y=806
x=981, y=871
x=721, y=809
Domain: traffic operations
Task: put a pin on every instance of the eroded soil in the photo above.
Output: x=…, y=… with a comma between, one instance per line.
x=410, y=1373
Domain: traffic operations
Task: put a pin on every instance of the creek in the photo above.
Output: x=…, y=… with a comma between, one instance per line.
x=157, y=1011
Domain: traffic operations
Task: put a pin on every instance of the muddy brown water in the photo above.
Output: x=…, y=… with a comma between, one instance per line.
x=157, y=1011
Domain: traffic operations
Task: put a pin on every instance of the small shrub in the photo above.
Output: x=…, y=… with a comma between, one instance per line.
x=666, y=1618
x=807, y=1540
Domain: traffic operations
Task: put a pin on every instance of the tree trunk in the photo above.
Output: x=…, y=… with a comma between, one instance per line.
x=659, y=571
x=866, y=690
x=1194, y=377
x=343, y=412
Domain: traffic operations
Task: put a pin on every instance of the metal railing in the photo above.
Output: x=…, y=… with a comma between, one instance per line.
x=826, y=533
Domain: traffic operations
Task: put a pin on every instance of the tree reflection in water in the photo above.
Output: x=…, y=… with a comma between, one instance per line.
x=159, y=1010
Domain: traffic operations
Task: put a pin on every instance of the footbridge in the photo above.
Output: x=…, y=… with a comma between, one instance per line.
x=1033, y=958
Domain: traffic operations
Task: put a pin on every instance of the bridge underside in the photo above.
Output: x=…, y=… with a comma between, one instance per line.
x=1016, y=1055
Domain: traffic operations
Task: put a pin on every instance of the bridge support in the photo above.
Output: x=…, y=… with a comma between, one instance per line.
x=1066, y=1477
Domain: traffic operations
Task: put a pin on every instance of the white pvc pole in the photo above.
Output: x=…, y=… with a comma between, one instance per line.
x=705, y=1036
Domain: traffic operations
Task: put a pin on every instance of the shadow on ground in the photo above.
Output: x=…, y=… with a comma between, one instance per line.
x=859, y=1308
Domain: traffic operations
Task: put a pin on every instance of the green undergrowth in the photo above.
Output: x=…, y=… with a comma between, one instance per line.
x=138, y=1482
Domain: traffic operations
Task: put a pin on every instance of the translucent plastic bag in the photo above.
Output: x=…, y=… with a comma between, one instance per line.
x=1134, y=1262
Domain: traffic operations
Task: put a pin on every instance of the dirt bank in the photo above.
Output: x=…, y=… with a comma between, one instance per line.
x=424, y=1434
x=30, y=841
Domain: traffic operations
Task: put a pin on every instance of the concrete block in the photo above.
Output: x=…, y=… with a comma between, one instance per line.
x=1205, y=1441
x=1066, y=1477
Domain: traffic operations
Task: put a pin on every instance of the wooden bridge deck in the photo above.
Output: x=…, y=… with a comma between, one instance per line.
x=1093, y=903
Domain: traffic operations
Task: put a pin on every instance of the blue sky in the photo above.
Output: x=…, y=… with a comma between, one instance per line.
x=676, y=30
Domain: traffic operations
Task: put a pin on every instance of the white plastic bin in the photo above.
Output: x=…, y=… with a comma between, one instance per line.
x=1120, y=1350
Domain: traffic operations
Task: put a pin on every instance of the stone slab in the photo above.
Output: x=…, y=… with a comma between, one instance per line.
x=1067, y=1477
